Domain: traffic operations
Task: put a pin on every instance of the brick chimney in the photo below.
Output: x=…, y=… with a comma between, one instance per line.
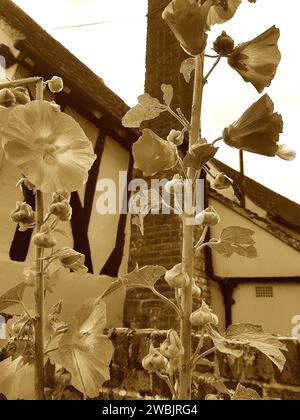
x=161, y=244
x=163, y=60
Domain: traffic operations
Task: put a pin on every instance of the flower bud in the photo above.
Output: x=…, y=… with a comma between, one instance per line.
x=56, y=84
x=172, y=347
x=222, y=182
x=224, y=44
x=22, y=96
x=23, y=214
x=176, y=137
x=44, y=238
x=196, y=291
x=69, y=258
x=203, y=316
x=176, y=278
x=208, y=217
x=286, y=153
x=154, y=361
x=7, y=98
x=62, y=210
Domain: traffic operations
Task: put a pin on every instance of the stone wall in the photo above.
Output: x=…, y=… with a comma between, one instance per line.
x=130, y=381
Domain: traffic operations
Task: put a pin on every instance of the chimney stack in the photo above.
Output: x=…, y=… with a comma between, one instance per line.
x=163, y=60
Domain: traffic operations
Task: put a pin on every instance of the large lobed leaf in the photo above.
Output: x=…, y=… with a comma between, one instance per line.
x=235, y=239
x=148, y=108
x=145, y=277
x=252, y=336
x=12, y=297
x=84, y=351
x=245, y=394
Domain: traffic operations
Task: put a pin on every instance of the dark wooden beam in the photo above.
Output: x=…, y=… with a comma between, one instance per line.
x=93, y=178
x=112, y=266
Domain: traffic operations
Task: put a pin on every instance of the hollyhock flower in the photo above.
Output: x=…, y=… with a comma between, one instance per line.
x=257, y=130
x=257, y=60
x=222, y=11
x=188, y=21
x=152, y=154
x=48, y=147
x=17, y=378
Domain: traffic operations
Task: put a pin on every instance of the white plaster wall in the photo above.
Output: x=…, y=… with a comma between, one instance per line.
x=275, y=258
x=103, y=228
x=274, y=314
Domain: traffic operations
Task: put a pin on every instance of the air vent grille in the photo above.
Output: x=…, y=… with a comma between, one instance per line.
x=264, y=291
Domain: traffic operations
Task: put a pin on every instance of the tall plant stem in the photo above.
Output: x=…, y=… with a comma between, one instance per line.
x=187, y=248
x=39, y=291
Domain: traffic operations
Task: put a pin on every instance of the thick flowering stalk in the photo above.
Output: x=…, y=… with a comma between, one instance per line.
x=188, y=244
x=39, y=291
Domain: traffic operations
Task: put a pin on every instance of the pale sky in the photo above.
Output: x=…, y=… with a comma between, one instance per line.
x=115, y=50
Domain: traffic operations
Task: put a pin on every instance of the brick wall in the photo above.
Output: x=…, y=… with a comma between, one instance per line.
x=130, y=381
x=161, y=244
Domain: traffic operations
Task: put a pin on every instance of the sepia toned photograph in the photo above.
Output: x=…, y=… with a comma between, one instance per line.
x=149, y=203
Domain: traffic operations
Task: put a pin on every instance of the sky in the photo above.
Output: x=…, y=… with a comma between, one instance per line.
x=114, y=48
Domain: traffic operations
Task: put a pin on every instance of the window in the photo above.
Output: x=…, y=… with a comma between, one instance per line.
x=264, y=291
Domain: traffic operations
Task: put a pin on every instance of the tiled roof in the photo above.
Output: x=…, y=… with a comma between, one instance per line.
x=38, y=44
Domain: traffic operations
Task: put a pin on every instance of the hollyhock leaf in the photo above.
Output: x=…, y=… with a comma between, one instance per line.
x=168, y=92
x=152, y=154
x=187, y=68
x=84, y=351
x=245, y=394
x=253, y=336
x=145, y=277
x=116, y=285
x=238, y=235
x=221, y=344
x=12, y=297
x=237, y=240
x=148, y=108
x=199, y=155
